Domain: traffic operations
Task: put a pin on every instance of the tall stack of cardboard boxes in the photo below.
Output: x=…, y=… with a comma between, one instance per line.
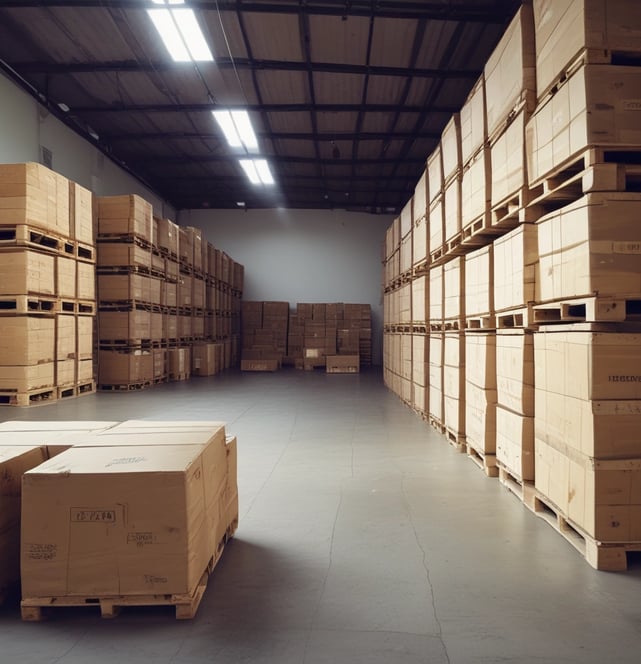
x=543, y=274
x=264, y=335
x=47, y=286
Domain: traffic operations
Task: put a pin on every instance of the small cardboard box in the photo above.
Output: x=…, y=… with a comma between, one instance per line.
x=127, y=520
x=259, y=365
x=342, y=364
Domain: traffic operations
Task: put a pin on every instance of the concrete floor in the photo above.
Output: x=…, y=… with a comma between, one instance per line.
x=363, y=538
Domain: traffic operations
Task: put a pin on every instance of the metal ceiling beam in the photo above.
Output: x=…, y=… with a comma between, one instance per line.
x=270, y=108
x=493, y=11
x=278, y=159
x=168, y=177
x=276, y=135
x=131, y=66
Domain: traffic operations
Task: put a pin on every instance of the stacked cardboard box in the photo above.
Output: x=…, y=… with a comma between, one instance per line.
x=47, y=286
x=264, y=328
x=137, y=559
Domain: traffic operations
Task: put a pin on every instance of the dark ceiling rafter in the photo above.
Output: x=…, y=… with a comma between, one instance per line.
x=131, y=66
x=487, y=12
x=292, y=136
x=284, y=177
x=284, y=159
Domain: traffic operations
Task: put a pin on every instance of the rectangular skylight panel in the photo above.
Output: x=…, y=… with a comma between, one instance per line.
x=245, y=129
x=264, y=172
x=226, y=123
x=250, y=170
x=168, y=32
x=192, y=35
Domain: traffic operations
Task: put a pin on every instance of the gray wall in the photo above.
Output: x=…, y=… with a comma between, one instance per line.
x=303, y=255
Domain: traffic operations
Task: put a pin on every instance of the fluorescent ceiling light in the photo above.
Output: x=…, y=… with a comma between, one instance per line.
x=63, y=107
x=250, y=170
x=181, y=34
x=257, y=170
x=237, y=128
x=240, y=203
x=264, y=173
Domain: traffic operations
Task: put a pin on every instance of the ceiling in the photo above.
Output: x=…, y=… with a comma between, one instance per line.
x=348, y=97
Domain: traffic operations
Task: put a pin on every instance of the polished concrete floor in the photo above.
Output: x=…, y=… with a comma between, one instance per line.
x=363, y=538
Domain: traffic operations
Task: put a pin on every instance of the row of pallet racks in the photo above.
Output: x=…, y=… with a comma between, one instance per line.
x=512, y=279
x=47, y=286
x=335, y=336
x=169, y=301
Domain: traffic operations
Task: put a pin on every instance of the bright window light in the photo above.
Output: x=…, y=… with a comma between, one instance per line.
x=192, y=35
x=250, y=170
x=257, y=170
x=168, y=32
x=264, y=173
x=245, y=129
x=226, y=123
x=237, y=128
x=181, y=34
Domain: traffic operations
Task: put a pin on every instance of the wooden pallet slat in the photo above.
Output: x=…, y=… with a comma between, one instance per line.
x=486, y=462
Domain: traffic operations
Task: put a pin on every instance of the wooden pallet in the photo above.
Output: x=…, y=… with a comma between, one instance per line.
x=453, y=325
x=26, y=235
x=421, y=269
x=593, y=309
x=175, y=377
x=125, y=238
x=125, y=387
x=479, y=233
x=125, y=344
x=486, y=322
x=28, y=398
x=454, y=438
x=605, y=556
x=523, y=490
x=520, y=317
x=435, y=423
x=85, y=252
x=486, y=462
x=29, y=304
x=516, y=209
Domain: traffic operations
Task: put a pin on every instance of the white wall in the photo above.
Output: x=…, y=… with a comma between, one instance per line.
x=303, y=255
x=25, y=125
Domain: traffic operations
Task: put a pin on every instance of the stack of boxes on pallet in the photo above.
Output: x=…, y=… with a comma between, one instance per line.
x=169, y=301
x=177, y=480
x=47, y=286
x=331, y=335
x=532, y=301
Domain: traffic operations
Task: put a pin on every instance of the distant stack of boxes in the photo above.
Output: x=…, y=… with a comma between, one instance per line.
x=264, y=328
x=543, y=274
x=169, y=301
x=47, y=286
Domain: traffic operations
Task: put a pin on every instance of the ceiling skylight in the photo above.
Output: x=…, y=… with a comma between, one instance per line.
x=237, y=128
x=180, y=32
x=257, y=170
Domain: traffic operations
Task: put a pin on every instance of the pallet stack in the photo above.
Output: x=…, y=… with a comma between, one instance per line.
x=544, y=273
x=47, y=286
x=264, y=327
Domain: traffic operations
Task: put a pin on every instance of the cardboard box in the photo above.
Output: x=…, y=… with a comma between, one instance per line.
x=123, y=254
x=476, y=189
x=597, y=105
x=65, y=373
x=86, y=281
x=479, y=282
x=515, y=443
x=66, y=342
x=508, y=173
x=84, y=337
x=437, y=226
x=259, y=365
x=27, y=340
x=81, y=214
x=23, y=379
x=480, y=418
x=473, y=122
x=451, y=147
x=454, y=289
x=124, y=287
x=184, y=291
x=480, y=356
x=452, y=209
x=420, y=250
x=84, y=372
x=420, y=359
x=591, y=246
x=515, y=370
x=405, y=304
x=179, y=363
x=435, y=380
x=14, y=462
x=564, y=28
x=156, y=537
x=516, y=268
x=510, y=76
x=454, y=382
x=125, y=368
x=407, y=253
x=131, y=326
x=406, y=356
x=434, y=175
x=602, y=498
x=195, y=240
x=124, y=215
x=65, y=284
x=167, y=236
x=342, y=364
x=24, y=272
x=204, y=359
x=197, y=293
x=419, y=300
x=436, y=294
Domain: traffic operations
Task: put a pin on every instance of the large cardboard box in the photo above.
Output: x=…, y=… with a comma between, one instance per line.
x=124, y=215
x=66, y=278
x=597, y=105
x=124, y=287
x=406, y=219
x=27, y=340
x=24, y=272
x=123, y=255
x=419, y=242
x=436, y=295
x=476, y=189
x=508, y=173
x=437, y=227
x=421, y=199
x=454, y=289
x=515, y=370
x=406, y=356
x=66, y=341
x=81, y=214
x=601, y=497
x=564, y=28
x=451, y=147
x=591, y=246
x=405, y=304
x=420, y=359
x=342, y=364
x=480, y=418
x=167, y=236
x=125, y=368
x=473, y=122
x=65, y=373
x=516, y=268
x=84, y=372
x=14, y=462
x=515, y=443
x=131, y=326
x=86, y=281
x=510, y=76
x=419, y=300
x=434, y=175
x=452, y=207
x=134, y=520
x=454, y=382
x=23, y=379
x=204, y=359
x=84, y=337
x=479, y=282
x=179, y=363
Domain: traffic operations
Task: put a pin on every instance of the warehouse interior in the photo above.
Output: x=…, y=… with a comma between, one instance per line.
x=361, y=532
